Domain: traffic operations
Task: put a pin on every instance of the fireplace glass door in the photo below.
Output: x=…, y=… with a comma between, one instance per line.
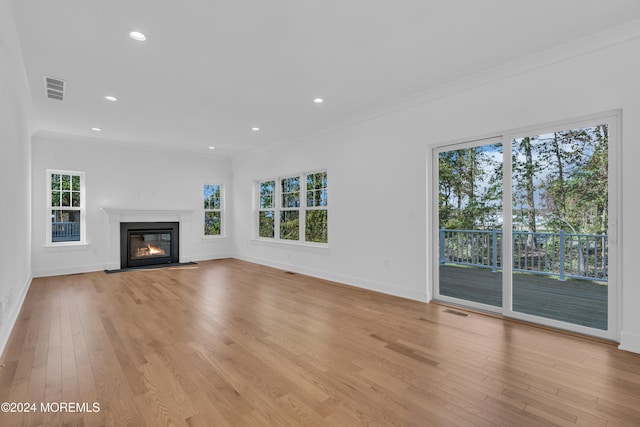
x=149, y=244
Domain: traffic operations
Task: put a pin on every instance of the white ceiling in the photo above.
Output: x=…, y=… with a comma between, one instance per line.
x=212, y=69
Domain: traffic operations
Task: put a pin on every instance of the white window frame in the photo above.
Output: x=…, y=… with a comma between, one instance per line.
x=299, y=209
x=220, y=210
x=273, y=208
x=278, y=209
x=308, y=208
x=82, y=209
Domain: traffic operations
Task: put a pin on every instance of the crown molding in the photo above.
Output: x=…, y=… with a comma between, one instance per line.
x=567, y=51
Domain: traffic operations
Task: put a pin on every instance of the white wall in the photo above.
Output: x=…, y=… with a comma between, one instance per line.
x=369, y=185
x=15, y=185
x=387, y=156
x=119, y=176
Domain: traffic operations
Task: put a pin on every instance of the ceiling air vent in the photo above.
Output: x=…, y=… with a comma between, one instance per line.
x=54, y=88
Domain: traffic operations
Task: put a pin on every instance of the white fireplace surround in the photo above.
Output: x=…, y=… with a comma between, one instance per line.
x=117, y=215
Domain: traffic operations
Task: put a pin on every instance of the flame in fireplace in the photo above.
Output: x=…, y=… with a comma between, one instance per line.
x=150, y=250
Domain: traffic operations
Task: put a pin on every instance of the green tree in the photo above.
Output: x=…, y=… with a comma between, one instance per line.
x=576, y=187
x=524, y=169
x=470, y=188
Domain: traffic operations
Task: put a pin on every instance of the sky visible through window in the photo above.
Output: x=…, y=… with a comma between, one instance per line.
x=554, y=175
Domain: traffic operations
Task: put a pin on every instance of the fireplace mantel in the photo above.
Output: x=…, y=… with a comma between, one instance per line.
x=116, y=215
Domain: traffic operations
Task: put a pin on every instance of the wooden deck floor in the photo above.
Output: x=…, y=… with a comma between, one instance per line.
x=574, y=301
x=230, y=343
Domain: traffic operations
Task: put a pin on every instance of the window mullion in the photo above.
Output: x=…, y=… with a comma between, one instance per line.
x=302, y=214
x=277, y=203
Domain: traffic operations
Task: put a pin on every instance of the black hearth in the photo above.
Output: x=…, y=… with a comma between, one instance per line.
x=149, y=243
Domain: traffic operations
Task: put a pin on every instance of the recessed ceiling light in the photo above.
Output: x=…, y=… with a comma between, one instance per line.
x=318, y=100
x=111, y=98
x=212, y=148
x=255, y=129
x=96, y=129
x=137, y=35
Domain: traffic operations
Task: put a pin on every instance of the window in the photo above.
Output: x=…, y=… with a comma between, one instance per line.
x=66, y=213
x=294, y=208
x=212, y=210
x=290, y=212
x=266, y=209
x=316, y=215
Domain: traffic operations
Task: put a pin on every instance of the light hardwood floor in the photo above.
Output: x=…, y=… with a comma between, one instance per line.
x=230, y=343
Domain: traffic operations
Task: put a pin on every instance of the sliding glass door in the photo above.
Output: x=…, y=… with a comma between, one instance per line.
x=523, y=225
x=470, y=224
x=560, y=191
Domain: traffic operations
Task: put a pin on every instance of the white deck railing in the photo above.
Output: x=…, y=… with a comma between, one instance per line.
x=578, y=256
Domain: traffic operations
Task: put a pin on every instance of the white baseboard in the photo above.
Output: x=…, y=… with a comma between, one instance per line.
x=340, y=278
x=70, y=270
x=113, y=266
x=116, y=266
x=12, y=318
x=629, y=342
x=206, y=257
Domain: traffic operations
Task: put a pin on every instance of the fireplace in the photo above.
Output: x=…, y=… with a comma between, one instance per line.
x=149, y=243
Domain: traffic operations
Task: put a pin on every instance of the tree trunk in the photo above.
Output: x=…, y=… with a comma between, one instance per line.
x=530, y=187
x=562, y=194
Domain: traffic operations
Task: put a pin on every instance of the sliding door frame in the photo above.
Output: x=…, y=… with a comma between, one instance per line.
x=436, y=215
x=614, y=286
